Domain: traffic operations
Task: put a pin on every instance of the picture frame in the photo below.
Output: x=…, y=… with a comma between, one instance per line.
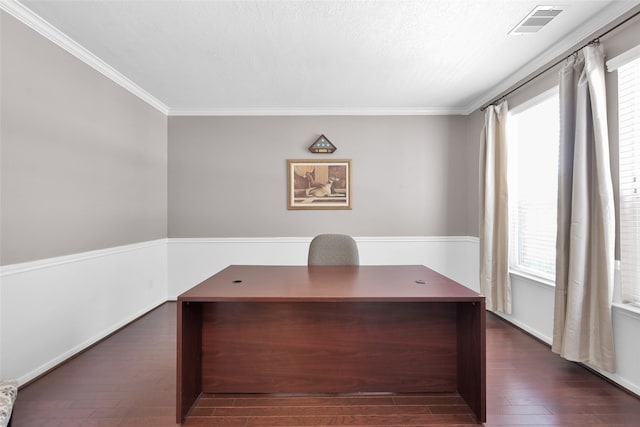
x=319, y=184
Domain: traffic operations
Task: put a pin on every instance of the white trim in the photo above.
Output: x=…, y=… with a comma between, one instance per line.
x=53, y=363
x=8, y=270
x=360, y=239
x=48, y=31
x=628, y=310
x=206, y=240
x=196, y=240
x=534, y=279
x=623, y=59
x=301, y=111
x=417, y=239
x=532, y=331
x=623, y=382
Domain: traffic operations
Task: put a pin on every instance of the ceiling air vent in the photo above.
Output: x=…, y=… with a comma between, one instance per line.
x=534, y=21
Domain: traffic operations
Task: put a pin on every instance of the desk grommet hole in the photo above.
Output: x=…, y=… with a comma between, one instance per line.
x=421, y=281
x=237, y=281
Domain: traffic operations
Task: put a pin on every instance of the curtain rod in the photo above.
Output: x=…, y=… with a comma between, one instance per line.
x=530, y=79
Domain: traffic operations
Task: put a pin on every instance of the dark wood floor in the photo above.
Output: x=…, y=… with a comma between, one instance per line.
x=129, y=380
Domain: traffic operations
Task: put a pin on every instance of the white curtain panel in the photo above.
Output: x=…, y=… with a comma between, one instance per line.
x=586, y=220
x=494, y=208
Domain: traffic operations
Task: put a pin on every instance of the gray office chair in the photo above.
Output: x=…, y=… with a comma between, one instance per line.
x=333, y=249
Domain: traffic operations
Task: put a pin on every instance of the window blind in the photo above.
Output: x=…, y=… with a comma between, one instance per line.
x=533, y=181
x=629, y=137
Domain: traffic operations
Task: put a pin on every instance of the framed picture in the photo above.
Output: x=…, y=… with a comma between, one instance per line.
x=319, y=184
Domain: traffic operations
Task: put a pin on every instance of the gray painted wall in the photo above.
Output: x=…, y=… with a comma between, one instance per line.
x=86, y=165
x=475, y=122
x=227, y=175
x=83, y=161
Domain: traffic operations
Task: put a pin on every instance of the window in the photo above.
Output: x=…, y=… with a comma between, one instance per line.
x=629, y=143
x=533, y=181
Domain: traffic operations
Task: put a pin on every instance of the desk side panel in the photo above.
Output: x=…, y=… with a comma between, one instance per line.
x=189, y=357
x=472, y=356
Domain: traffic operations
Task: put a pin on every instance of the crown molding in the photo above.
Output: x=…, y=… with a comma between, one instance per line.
x=19, y=11
x=303, y=111
x=569, y=43
x=48, y=31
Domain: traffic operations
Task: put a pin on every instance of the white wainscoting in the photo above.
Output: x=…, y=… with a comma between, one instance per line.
x=193, y=260
x=54, y=308
x=532, y=306
x=51, y=309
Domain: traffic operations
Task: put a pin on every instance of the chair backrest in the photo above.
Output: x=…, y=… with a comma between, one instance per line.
x=333, y=249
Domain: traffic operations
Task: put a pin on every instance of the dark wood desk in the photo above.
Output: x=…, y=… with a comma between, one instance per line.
x=298, y=329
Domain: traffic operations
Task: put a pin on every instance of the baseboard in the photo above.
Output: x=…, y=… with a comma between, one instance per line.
x=534, y=333
x=42, y=370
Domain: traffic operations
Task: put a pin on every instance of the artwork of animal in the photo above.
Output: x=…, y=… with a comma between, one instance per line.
x=304, y=182
x=322, y=190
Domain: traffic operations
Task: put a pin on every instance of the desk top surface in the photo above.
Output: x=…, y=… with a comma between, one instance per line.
x=261, y=283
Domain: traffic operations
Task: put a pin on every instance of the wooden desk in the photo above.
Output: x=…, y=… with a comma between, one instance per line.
x=298, y=329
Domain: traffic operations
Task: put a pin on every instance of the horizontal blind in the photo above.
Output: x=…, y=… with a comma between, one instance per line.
x=533, y=180
x=629, y=129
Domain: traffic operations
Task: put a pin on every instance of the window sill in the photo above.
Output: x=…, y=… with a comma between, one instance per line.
x=628, y=309
x=533, y=278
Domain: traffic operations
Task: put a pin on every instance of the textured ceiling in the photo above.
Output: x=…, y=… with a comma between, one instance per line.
x=321, y=57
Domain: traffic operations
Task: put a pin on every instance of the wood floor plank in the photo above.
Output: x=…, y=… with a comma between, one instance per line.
x=280, y=411
x=128, y=380
x=361, y=420
x=314, y=401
